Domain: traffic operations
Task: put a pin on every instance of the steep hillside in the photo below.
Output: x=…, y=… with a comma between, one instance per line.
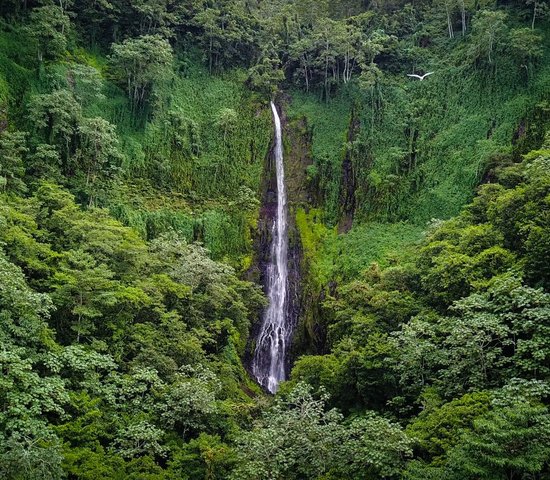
x=137, y=198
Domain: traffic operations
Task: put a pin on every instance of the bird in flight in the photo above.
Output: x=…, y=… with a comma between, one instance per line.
x=420, y=77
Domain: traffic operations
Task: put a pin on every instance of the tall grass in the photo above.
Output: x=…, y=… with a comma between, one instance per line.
x=423, y=152
x=223, y=135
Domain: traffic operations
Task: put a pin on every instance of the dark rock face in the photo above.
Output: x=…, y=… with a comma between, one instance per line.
x=262, y=243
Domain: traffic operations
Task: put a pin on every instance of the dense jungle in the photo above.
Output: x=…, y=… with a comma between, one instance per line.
x=137, y=197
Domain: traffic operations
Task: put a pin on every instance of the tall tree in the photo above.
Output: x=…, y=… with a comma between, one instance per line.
x=99, y=153
x=57, y=115
x=488, y=34
x=140, y=64
x=49, y=27
x=13, y=148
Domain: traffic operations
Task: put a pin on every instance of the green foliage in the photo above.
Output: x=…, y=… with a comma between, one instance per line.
x=227, y=34
x=447, y=325
x=99, y=153
x=438, y=428
x=85, y=289
x=491, y=337
x=266, y=75
x=57, y=115
x=526, y=45
x=314, y=236
x=504, y=443
x=297, y=438
x=413, y=159
x=168, y=313
x=488, y=29
x=493, y=441
x=205, y=457
x=29, y=394
x=122, y=343
x=24, y=459
x=374, y=447
x=384, y=242
x=139, y=64
x=328, y=123
x=12, y=153
x=49, y=28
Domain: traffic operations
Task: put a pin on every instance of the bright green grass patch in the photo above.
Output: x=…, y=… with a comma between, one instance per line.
x=316, y=240
x=373, y=242
x=328, y=255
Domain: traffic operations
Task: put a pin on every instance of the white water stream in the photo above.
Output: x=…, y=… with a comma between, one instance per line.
x=268, y=363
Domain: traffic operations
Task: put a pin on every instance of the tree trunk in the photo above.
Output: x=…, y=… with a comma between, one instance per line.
x=449, y=22
x=210, y=52
x=326, y=71
x=463, y=16
x=306, y=76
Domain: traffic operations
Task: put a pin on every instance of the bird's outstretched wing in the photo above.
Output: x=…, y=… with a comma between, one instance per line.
x=426, y=74
x=413, y=75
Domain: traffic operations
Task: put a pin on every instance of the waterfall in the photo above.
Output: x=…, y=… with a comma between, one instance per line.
x=268, y=363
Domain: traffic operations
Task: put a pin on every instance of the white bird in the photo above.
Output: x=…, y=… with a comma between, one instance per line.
x=420, y=77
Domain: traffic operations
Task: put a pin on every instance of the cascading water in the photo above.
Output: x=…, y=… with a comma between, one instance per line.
x=268, y=363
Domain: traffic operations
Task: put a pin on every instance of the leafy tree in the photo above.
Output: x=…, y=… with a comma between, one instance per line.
x=321, y=372
x=475, y=345
x=507, y=442
x=266, y=75
x=50, y=27
x=29, y=394
x=226, y=120
x=87, y=84
x=38, y=459
x=301, y=52
x=207, y=456
x=155, y=17
x=526, y=46
x=373, y=447
x=138, y=439
x=23, y=311
x=490, y=338
x=295, y=439
x=418, y=345
x=540, y=10
x=449, y=7
x=185, y=133
x=84, y=289
x=57, y=115
x=189, y=402
x=227, y=33
x=218, y=293
x=13, y=148
x=99, y=153
x=141, y=63
x=488, y=35
x=44, y=162
x=437, y=429
x=20, y=232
